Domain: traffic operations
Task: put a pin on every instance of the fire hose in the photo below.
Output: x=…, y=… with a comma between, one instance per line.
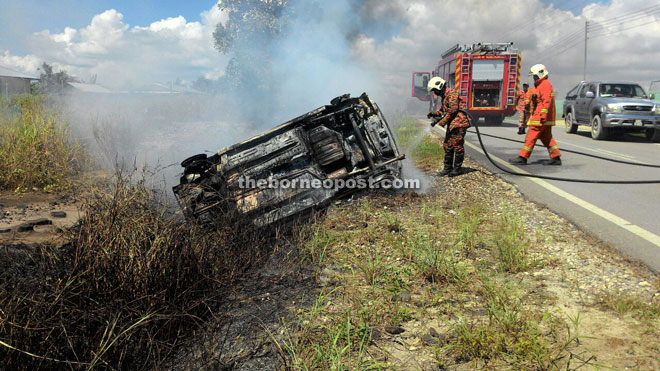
x=596, y=181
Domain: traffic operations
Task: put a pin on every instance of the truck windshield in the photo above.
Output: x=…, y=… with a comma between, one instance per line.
x=621, y=91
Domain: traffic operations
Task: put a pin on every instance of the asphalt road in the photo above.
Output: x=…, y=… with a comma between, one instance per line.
x=625, y=216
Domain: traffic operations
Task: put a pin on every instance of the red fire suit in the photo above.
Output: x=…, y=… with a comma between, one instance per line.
x=458, y=124
x=520, y=107
x=542, y=120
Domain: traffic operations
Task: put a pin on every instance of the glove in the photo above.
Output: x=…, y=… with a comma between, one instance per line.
x=432, y=114
x=543, y=119
x=442, y=122
x=433, y=123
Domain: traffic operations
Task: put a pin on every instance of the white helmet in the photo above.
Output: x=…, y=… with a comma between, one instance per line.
x=436, y=83
x=538, y=70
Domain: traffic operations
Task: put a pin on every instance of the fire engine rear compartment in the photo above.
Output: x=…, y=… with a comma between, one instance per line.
x=487, y=75
x=486, y=94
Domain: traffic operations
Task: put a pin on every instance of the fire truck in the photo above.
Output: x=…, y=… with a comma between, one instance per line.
x=487, y=76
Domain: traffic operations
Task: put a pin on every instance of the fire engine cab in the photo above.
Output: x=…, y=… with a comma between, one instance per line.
x=487, y=76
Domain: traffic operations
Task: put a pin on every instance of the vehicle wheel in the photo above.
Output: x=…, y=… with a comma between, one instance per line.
x=191, y=159
x=494, y=120
x=652, y=134
x=598, y=132
x=569, y=125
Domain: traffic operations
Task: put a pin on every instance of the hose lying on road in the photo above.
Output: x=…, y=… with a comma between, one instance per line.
x=483, y=148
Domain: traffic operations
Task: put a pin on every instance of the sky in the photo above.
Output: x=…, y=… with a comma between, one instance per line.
x=126, y=43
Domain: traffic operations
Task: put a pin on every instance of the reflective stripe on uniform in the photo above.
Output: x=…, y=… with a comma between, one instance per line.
x=535, y=123
x=549, y=123
x=553, y=148
x=527, y=148
x=544, y=110
x=552, y=94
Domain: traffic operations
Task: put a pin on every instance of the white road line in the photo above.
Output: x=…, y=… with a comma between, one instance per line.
x=603, y=151
x=632, y=228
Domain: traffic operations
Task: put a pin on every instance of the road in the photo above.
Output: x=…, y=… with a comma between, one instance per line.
x=625, y=216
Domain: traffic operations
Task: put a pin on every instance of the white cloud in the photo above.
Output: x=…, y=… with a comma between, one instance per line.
x=430, y=27
x=120, y=54
x=174, y=47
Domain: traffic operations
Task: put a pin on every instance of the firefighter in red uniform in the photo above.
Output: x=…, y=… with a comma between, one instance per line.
x=542, y=120
x=521, y=100
x=458, y=122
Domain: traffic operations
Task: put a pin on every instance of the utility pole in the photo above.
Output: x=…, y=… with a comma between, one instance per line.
x=586, y=31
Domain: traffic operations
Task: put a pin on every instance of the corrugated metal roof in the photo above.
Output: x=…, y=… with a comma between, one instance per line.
x=8, y=72
x=89, y=88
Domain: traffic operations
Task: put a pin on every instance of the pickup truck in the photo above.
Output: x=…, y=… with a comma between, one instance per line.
x=611, y=107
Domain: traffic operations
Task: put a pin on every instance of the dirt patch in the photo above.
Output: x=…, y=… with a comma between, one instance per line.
x=32, y=218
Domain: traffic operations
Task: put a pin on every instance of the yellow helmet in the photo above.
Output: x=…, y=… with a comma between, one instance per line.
x=538, y=70
x=436, y=83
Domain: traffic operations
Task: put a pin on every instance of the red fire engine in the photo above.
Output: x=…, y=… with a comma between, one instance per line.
x=487, y=75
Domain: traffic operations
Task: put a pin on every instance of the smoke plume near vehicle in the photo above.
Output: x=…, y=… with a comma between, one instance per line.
x=269, y=79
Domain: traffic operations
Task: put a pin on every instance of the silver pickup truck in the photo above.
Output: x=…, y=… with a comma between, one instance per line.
x=610, y=107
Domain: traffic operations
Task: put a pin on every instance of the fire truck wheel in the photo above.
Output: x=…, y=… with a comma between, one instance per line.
x=494, y=120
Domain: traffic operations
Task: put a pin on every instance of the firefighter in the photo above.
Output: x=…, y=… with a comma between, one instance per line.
x=458, y=122
x=542, y=119
x=520, y=103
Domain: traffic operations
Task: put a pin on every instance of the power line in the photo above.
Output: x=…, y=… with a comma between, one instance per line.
x=569, y=41
x=608, y=29
x=637, y=13
x=516, y=29
x=556, y=53
x=623, y=29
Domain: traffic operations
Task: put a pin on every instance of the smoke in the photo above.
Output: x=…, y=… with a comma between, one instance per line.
x=307, y=62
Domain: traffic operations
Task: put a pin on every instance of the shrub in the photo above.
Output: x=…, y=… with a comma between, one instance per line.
x=129, y=284
x=36, y=147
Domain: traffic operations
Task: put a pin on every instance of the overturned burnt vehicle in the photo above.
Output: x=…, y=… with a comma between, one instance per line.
x=294, y=168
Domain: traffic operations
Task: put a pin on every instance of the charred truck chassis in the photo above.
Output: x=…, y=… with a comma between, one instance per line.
x=348, y=139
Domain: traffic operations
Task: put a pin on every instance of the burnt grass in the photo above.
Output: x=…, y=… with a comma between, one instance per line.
x=132, y=287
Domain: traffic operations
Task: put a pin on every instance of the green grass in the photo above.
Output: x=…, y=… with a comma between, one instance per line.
x=412, y=136
x=624, y=304
x=512, y=244
x=36, y=147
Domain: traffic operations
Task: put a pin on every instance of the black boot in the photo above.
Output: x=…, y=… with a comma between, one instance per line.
x=458, y=165
x=554, y=161
x=449, y=161
x=518, y=161
x=521, y=130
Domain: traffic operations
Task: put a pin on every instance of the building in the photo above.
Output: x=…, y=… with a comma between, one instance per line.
x=13, y=82
x=79, y=87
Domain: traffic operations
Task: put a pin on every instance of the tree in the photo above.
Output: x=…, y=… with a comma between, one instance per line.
x=248, y=34
x=53, y=82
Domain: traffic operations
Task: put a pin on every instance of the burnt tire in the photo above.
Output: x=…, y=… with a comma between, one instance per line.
x=598, y=131
x=195, y=158
x=569, y=125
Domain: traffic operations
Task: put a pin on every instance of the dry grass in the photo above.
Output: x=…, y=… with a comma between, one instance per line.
x=128, y=286
x=36, y=148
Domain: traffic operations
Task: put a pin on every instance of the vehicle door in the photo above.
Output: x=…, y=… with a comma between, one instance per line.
x=419, y=82
x=583, y=102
